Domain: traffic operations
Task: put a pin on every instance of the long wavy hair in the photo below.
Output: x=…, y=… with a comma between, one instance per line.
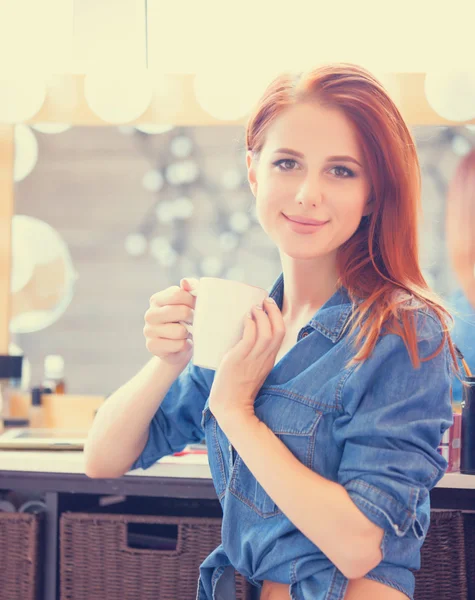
x=379, y=264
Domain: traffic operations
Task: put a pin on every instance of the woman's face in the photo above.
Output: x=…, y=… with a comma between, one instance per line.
x=297, y=175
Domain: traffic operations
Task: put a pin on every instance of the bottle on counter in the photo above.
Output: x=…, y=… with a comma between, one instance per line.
x=53, y=380
x=10, y=382
x=36, y=409
x=467, y=457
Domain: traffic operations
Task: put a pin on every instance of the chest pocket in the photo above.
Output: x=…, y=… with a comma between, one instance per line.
x=295, y=423
x=216, y=459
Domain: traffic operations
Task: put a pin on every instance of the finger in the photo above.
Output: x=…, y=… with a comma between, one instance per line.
x=161, y=347
x=172, y=295
x=248, y=338
x=169, y=331
x=190, y=284
x=169, y=314
x=276, y=319
x=264, y=331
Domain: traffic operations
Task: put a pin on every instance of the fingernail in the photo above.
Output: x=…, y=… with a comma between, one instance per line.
x=258, y=307
x=270, y=300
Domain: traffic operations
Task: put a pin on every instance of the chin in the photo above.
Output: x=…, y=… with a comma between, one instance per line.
x=302, y=253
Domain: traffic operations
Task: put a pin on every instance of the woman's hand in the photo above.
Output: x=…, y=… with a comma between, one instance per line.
x=245, y=367
x=165, y=328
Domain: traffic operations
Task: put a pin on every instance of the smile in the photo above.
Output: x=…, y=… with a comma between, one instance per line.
x=303, y=227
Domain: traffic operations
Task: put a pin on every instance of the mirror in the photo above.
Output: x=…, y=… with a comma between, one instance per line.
x=43, y=275
x=137, y=209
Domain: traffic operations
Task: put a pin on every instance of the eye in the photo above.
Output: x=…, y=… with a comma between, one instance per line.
x=279, y=164
x=349, y=172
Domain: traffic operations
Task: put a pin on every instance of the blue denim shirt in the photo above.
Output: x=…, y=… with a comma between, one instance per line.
x=463, y=335
x=374, y=429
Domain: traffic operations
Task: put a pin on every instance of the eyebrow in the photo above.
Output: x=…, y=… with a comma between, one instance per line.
x=329, y=158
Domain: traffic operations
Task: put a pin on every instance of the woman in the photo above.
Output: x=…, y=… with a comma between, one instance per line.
x=323, y=422
x=460, y=231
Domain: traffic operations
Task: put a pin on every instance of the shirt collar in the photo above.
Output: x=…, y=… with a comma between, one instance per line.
x=331, y=318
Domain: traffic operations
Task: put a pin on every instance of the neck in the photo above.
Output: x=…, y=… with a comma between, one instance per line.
x=308, y=284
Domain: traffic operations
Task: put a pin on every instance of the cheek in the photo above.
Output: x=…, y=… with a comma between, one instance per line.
x=352, y=201
x=270, y=198
x=263, y=212
x=268, y=210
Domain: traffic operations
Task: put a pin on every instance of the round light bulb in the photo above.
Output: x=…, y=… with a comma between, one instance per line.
x=211, y=266
x=228, y=241
x=152, y=129
x=135, y=244
x=183, y=207
x=461, y=146
x=181, y=146
x=231, y=179
x=21, y=96
x=232, y=94
x=239, y=222
x=26, y=152
x=451, y=95
x=118, y=97
x=165, y=212
x=51, y=128
x=153, y=180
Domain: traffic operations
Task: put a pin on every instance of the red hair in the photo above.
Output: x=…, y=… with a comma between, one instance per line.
x=379, y=264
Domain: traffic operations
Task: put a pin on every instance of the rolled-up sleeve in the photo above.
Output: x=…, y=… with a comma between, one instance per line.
x=393, y=421
x=177, y=422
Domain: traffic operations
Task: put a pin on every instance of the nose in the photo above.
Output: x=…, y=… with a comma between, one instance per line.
x=309, y=193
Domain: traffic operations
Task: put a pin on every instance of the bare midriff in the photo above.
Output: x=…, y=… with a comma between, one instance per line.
x=272, y=590
x=356, y=590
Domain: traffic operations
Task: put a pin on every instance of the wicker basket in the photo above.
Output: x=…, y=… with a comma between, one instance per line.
x=469, y=526
x=98, y=559
x=20, y=570
x=442, y=575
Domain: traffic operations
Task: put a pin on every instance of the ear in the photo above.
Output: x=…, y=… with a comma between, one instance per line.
x=251, y=172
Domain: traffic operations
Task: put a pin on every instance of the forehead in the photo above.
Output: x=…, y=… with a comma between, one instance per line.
x=313, y=130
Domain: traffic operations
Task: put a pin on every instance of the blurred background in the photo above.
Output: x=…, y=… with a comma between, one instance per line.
x=137, y=209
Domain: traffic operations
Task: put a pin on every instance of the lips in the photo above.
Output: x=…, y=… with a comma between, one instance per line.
x=304, y=220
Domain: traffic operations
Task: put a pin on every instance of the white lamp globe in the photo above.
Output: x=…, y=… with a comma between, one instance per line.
x=230, y=95
x=21, y=96
x=118, y=97
x=26, y=152
x=51, y=128
x=451, y=95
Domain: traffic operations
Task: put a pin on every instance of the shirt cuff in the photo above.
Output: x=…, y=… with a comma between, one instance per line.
x=385, y=511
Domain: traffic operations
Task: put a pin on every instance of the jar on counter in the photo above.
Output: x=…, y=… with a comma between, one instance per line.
x=53, y=380
x=10, y=382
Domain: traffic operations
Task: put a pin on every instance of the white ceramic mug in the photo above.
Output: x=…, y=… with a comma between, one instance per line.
x=220, y=312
